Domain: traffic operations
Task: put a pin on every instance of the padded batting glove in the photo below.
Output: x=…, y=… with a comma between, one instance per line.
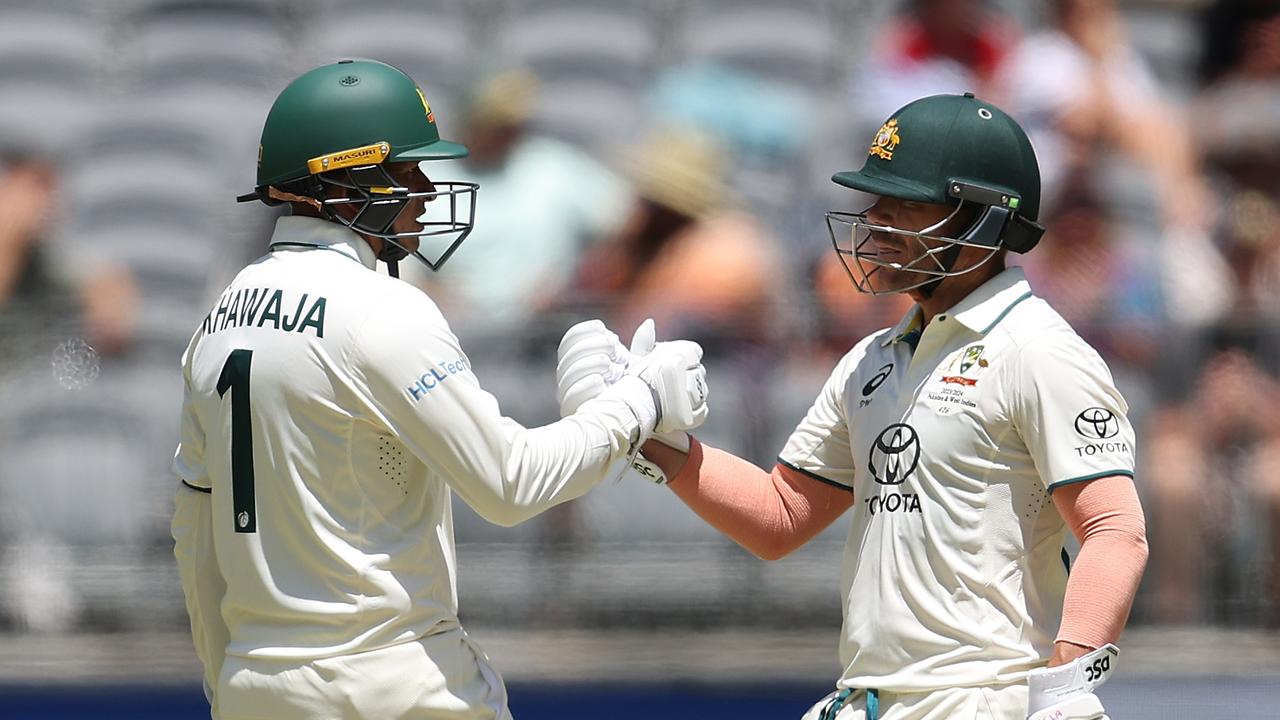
x=673, y=371
x=1066, y=692
x=590, y=358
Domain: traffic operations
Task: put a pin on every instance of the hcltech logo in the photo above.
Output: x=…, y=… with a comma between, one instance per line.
x=895, y=453
x=427, y=381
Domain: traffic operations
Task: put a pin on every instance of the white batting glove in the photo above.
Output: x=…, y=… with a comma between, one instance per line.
x=674, y=372
x=1066, y=692
x=589, y=359
x=644, y=344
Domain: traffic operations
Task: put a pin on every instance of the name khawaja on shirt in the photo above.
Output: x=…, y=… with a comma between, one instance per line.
x=266, y=308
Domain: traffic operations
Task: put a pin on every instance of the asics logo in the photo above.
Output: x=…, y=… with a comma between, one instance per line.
x=876, y=380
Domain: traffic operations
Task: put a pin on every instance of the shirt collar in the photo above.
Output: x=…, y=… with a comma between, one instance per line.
x=909, y=322
x=300, y=233
x=980, y=310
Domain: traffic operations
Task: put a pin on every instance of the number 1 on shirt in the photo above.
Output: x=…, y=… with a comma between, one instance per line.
x=235, y=377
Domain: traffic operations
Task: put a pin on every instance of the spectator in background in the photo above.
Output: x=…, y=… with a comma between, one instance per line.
x=932, y=47
x=1220, y=543
x=1105, y=285
x=1085, y=93
x=686, y=256
x=1093, y=110
x=544, y=202
x=42, y=302
x=39, y=297
x=1239, y=133
x=1213, y=474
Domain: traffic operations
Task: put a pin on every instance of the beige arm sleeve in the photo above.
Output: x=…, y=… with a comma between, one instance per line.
x=769, y=514
x=1106, y=517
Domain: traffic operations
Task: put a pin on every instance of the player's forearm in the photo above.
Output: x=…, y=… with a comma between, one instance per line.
x=1101, y=589
x=1107, y=518
x=543, y=467
x=769, y=514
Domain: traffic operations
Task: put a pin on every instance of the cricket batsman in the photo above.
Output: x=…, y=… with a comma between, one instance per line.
x=330, y=413
x=967, y=441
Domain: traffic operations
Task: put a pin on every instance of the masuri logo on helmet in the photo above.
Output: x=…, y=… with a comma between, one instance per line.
x=960, y=151
x=336, y=126
x=367, y=155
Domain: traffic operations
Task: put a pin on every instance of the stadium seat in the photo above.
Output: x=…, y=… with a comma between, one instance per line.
x=596, y=115
x=50, y=69
x=239, y=44
x=573, y=42
x=790, y=44
x=47, y=488
x=42, y=47
x=433, y=41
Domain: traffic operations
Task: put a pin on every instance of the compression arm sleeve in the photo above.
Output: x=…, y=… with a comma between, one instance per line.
x=1106, y=518
x=769, y=514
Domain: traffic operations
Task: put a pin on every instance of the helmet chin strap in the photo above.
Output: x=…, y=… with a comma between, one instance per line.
x=392, y=254
x=947, y=261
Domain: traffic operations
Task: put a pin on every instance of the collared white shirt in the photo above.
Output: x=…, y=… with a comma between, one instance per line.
x=954, y=569
x=330, y=412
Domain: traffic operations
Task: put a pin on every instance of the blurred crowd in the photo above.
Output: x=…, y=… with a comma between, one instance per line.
x=648, y=159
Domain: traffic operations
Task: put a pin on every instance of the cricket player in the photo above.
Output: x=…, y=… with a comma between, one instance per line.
x=967, y=441
x=330, y=414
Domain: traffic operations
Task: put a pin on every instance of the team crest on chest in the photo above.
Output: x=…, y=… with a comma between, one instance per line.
x=965, y=365
x=886, y=140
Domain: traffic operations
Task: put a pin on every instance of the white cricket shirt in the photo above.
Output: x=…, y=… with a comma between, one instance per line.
x=954, y=570
x=330, y=412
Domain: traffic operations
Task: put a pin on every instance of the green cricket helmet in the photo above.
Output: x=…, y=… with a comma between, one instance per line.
x=943, y=149
x=327, y=141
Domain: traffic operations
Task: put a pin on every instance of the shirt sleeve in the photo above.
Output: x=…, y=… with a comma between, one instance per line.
x=188, y=460
x=419, y=383
x=819, y=446
x=203, y=586
x=1068, y=412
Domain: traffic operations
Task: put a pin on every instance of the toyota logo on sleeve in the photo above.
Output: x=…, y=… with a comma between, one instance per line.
x=894, y=454
x=1097, y=423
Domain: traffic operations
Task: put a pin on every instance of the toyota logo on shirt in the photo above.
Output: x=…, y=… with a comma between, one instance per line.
x=894, y=454
x=1097, y=423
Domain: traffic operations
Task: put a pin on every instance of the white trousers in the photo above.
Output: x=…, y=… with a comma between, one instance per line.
x=441, y=677
x=1005, y=702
